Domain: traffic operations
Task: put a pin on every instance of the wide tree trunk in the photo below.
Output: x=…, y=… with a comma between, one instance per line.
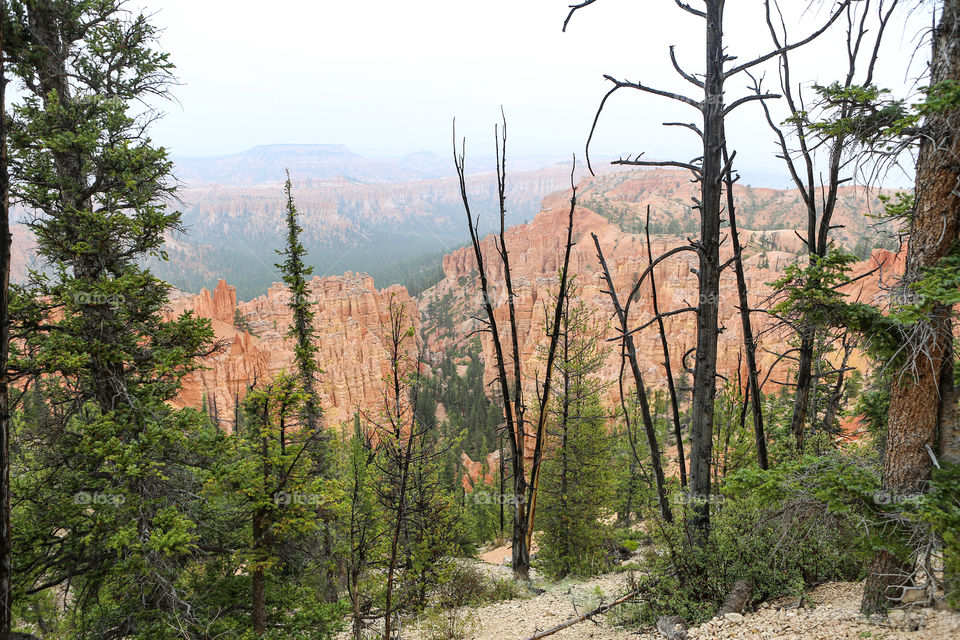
x=917, y=398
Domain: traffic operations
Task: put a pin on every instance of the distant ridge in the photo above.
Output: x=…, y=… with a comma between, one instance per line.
x=265, y=164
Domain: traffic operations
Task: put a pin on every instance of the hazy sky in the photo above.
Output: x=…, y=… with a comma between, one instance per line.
x=385, y=76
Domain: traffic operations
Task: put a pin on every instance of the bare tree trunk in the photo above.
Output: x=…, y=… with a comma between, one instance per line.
x=737, y=599
x=671, y=386
x=631, y=353
x=544, y=399
x=404, y=455
x=705, y=365
x=749, y=343
x=394, y=550
x=916, y=400
x=801, y=401
x=708, y=170
x=514, y=407
x=836, y=394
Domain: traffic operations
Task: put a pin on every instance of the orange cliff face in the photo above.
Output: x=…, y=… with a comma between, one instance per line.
x=351, y=319
x=351, y=314
x=536, y=252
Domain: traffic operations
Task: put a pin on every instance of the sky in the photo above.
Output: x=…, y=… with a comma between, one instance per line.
x=386, y=77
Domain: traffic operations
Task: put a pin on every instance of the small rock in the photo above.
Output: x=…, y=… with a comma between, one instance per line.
x=733, y=617
x=897, y=617
x=913, y=594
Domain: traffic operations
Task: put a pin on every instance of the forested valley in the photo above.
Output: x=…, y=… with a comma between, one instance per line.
x=300, y=393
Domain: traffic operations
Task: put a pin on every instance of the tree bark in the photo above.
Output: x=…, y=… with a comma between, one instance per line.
x=259, y=600
x=641, y=391
x=671, y=385
x=801, y=400
x=737, y=599
x=6, y=564
x=705, y=365
x=917, y=398
x=749, y=343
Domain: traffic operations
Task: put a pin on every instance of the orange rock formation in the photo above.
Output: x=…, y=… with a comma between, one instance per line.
x=351, y=320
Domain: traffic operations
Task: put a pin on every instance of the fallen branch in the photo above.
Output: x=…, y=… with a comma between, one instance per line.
x=585, y=616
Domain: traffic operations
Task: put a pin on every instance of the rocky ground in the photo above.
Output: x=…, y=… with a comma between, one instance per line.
x=829, y=612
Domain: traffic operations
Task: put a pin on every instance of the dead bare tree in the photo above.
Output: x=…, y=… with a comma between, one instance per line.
x=524, y=496
x=799, y=143
x=668, y=369
x=708, y=170
x=629, y=351
x=746, y=327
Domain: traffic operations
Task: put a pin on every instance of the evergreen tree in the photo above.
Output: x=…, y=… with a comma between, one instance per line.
x=576, y=482
x=295, y=273
x=6, y=581
x=267, y=477
x=106, y=483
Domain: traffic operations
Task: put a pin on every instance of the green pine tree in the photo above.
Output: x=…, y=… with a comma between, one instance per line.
x=106, y=483
x=304, y=335
x=268, y=482
x=576, y=485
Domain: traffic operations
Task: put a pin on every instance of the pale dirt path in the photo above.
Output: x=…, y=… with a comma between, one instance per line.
x=834, y=616
x=518, y=619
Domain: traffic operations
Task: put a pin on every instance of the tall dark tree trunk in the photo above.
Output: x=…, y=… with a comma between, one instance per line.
x=705, y=365
x=917, y=395
x=259, y=578
x=801, y=400
x=746, y=327
x=667, y=366
x=6, y=565
x=524, y=496
x=631, y=355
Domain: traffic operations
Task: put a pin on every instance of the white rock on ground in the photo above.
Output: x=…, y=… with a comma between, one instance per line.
x=834, y=615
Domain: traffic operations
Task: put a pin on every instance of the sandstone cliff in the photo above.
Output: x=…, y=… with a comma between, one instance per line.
x=536, y=253
x=351, y=320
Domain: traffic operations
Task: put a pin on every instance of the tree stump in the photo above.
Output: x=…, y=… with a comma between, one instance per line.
x=737, y=599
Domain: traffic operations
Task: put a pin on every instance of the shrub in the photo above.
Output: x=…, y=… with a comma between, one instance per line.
x=782, y=530
x=466, y=585
x=449, y=624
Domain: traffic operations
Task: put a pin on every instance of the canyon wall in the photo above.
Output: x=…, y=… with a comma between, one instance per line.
x=536, y=252
x=352, y=323
x=351, y=314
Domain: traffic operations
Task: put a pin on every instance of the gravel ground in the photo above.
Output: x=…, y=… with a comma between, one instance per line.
x=559, y=602
x=830, y=612
x=834, y=615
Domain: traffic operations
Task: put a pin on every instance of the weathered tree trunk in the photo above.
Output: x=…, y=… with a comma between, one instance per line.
x=916, y=401
x=705, y=365
x=749, y=343
x=6, y=565
x=641, y=391
x=668, y=368
x=835, y=397
x=259, y=579
x=801, y=400
x=737, y=599
x=524, y=492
